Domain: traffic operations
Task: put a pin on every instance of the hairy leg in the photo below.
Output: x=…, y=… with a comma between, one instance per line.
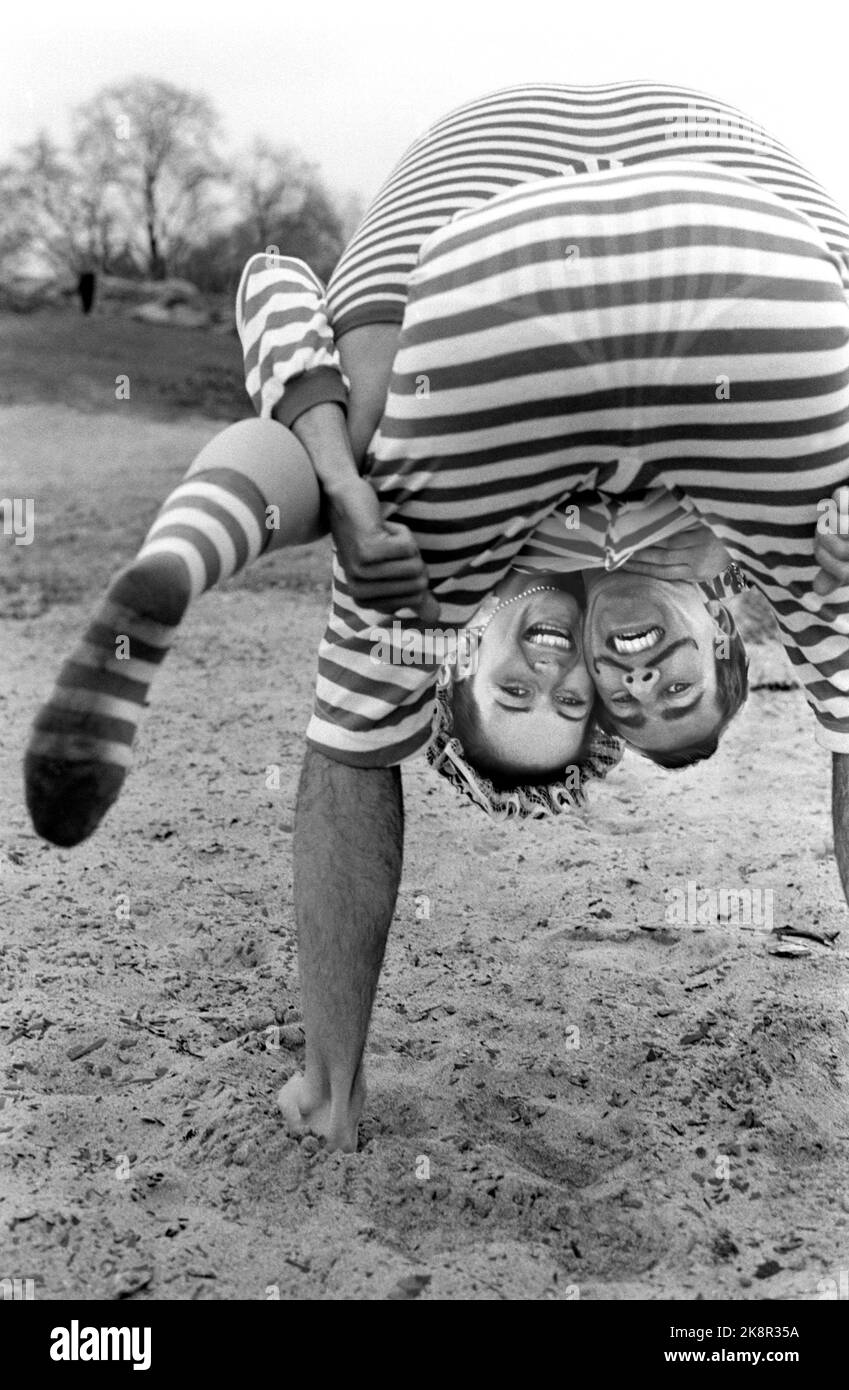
x=348, y=850
x=840, y=816
x=252, y=488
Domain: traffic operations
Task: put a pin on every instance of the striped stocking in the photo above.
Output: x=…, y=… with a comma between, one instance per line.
x=210, y=527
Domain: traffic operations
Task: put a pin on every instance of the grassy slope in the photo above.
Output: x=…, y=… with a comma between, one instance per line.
x=58, y=355
x=117, y=459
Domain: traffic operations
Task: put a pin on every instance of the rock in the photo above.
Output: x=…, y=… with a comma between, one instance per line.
x=83, y=1049
x=696, y=1036
x=126, y=1282
x=410, y=1286
x=24, y=294
x=786, y=947
x=723, y=1246
x=119, y=290
x=174, y=316
x=825, y=935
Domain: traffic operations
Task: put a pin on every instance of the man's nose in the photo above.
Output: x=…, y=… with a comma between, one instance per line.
x=641, y=683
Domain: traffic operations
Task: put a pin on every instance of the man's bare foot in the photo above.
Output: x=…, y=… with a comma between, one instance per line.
x=307, y=1108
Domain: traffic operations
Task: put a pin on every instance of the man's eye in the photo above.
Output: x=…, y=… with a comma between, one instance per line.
x=573, y=701
x=518, y=691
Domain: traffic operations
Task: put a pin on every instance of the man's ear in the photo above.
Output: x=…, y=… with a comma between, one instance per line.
x=720, y=615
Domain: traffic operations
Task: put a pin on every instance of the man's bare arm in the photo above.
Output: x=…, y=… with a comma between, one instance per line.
x=323, y=432
x=367, y=354
x=337, y=444
x=381, y=560
x=348, y=849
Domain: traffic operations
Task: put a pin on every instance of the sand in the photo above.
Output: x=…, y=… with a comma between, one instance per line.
x=570, y=1096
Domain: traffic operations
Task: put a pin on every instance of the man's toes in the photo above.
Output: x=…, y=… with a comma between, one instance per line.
x=288, y=1100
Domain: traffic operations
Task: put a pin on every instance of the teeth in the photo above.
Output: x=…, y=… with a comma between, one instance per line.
x=541, y=635
x=630, y=642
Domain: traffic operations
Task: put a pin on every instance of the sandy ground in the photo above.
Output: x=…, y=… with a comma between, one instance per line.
x=568, y=1096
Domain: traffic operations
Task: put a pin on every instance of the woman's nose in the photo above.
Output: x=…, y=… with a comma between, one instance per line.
x=553, y=663
x=641, y=683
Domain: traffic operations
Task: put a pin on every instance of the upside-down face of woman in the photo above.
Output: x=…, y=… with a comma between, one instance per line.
x=522, y=711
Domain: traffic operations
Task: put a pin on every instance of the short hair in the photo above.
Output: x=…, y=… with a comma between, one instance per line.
x=732, y=688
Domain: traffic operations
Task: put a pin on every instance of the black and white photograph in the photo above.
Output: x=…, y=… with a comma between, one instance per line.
x=424, y=665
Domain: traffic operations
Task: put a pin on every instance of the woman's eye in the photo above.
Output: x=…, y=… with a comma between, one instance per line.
x=678, y=687
x=516, y=690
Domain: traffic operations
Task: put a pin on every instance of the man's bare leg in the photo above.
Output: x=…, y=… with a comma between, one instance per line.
x=348, y=849
x=840, y=815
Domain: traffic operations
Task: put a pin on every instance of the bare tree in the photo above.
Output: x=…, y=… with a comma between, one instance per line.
x=279, y=199
x=157, y=143
x=313, y=231
x=143, y=187
x=58, y=208
x=269, y=183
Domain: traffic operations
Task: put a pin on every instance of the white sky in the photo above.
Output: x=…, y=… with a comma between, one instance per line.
x=352, y=82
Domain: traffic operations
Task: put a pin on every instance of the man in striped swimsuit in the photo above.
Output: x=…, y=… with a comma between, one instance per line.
x=664, y=308
x=681, y=323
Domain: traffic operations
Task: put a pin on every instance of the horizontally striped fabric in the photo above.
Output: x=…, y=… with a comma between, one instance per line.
x=596, y=532
x=282, y=322
x=547, y=130
x=488, y=146
x=214, y=520
x=667, y=325
x=520, y=134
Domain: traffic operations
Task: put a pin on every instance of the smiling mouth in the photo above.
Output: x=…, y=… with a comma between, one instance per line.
x=627, y=643
x=550, y=635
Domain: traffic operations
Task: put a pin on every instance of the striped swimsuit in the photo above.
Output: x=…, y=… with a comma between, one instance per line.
x=601, y=289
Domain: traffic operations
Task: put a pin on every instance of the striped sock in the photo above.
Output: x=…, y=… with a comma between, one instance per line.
x=215, y=522
x=80, y=747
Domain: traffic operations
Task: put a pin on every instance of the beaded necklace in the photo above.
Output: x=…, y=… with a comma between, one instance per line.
x=525, y=593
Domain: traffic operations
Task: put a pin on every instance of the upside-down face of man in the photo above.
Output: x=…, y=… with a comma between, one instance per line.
x=530, y=687
x=651, y=649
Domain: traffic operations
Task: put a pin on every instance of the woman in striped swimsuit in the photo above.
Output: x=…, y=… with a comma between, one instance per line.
x=309, y=358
